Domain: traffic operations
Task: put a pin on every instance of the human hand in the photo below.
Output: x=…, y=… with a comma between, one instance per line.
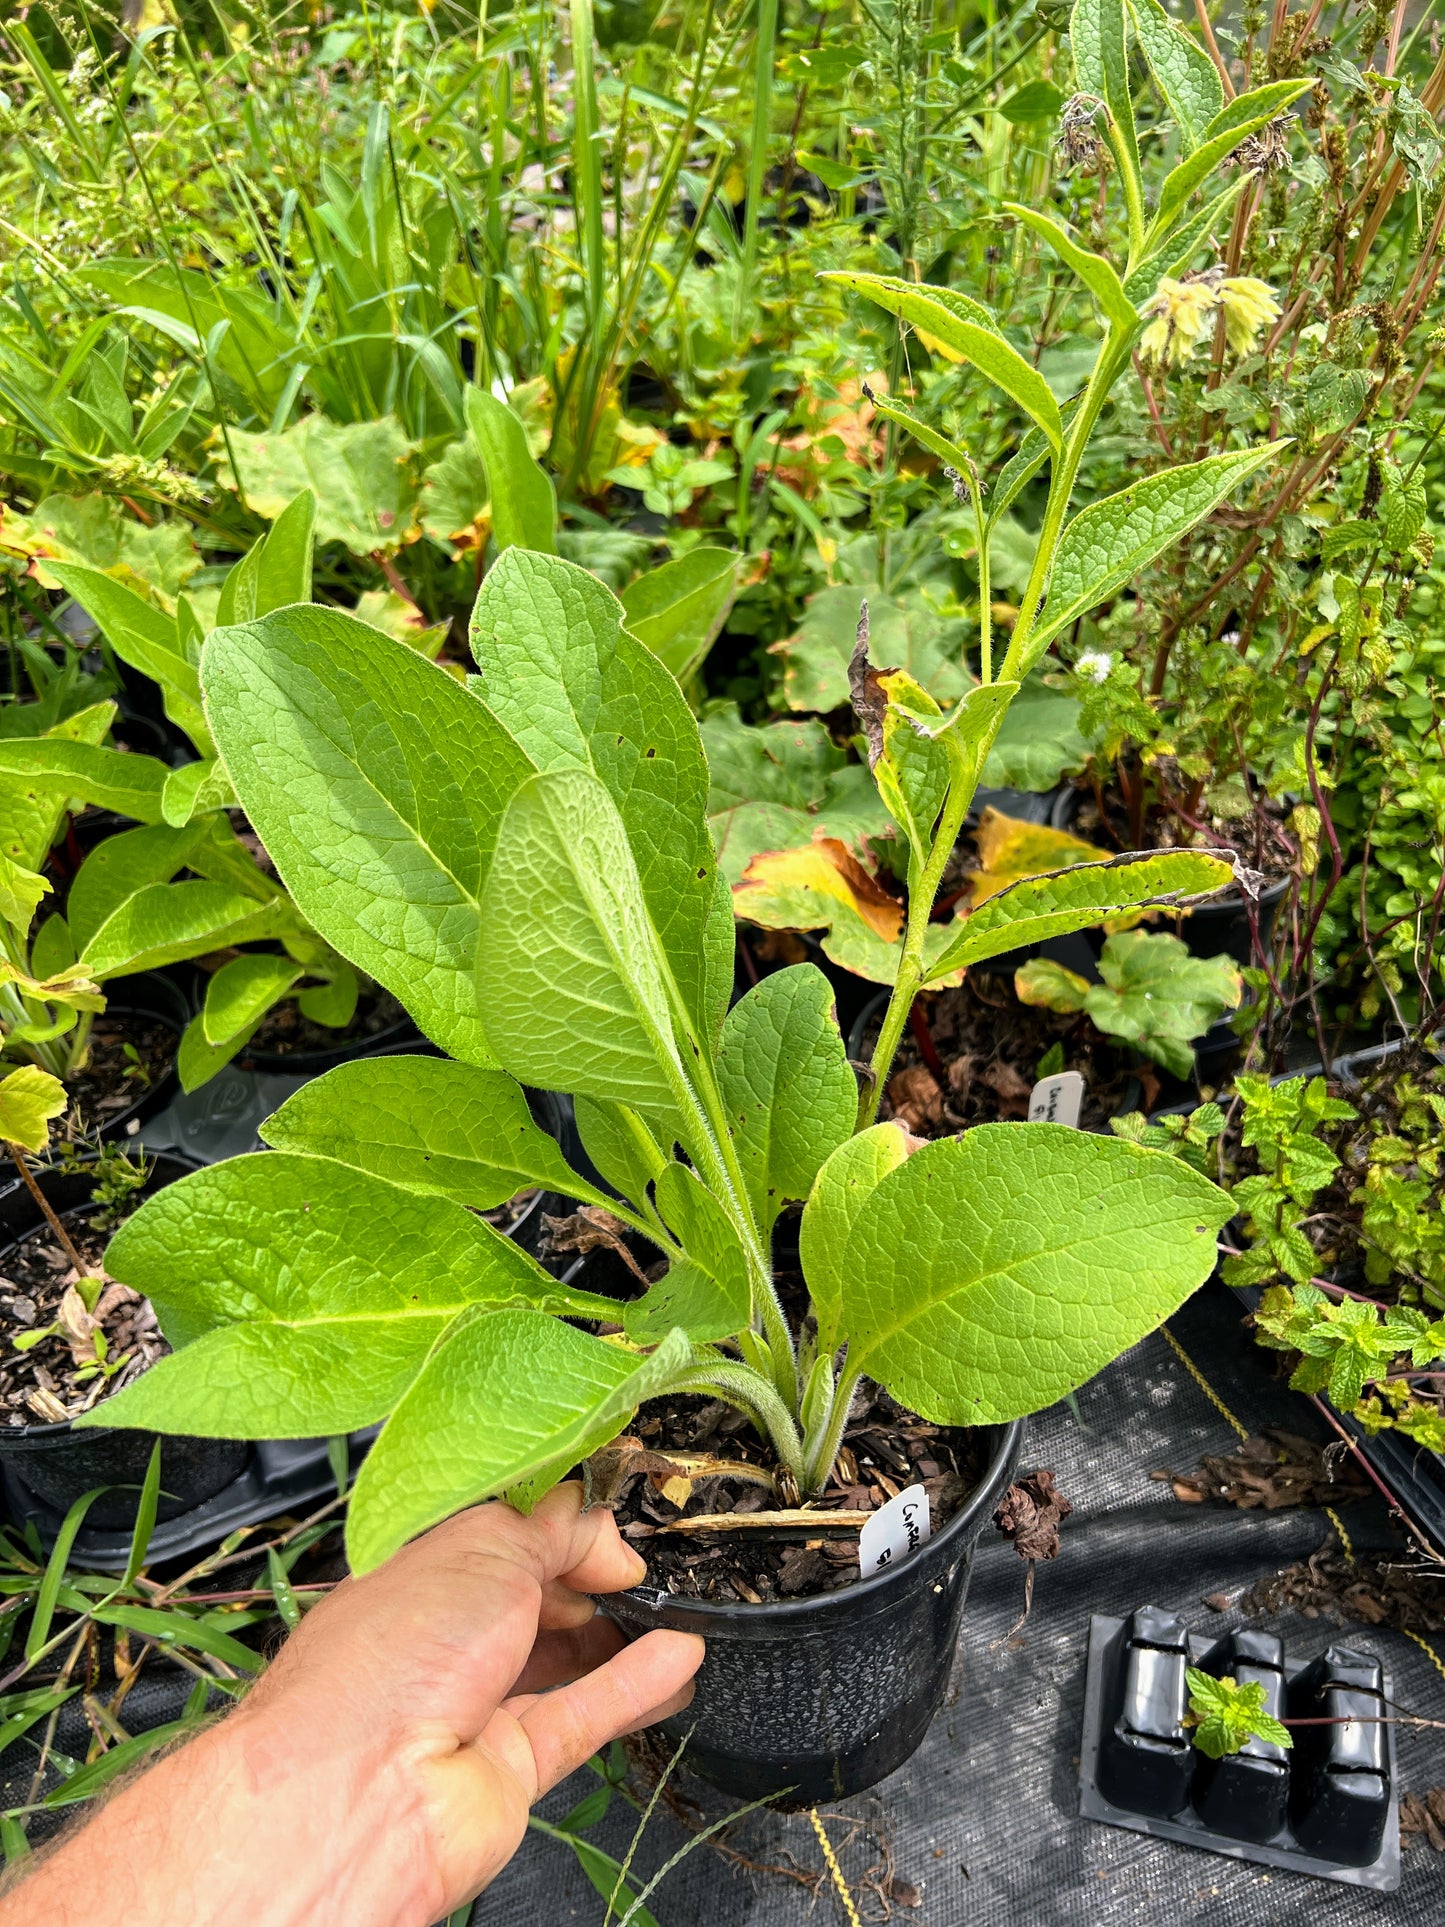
x=382, y=1769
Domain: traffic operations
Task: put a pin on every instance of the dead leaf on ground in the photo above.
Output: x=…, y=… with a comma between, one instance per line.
x=1031, y=1513
x=589, y=1228
x=916, y=1099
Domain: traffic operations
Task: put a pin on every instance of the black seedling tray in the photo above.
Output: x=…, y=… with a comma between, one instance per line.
x=1322, y=1794
x=281, y=1475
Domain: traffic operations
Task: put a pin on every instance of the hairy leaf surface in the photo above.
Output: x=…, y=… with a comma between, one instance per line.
x=841, y=1189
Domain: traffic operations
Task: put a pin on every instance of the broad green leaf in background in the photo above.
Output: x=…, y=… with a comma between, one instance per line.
x=1155, y=994
x=127, y=862
x=395, y=616
x=621, y=1146
x=30, y=813
x=303, y=1296
x=29, y=1098
x=789, y=1093
x=774, y=785
x=427, y=1124
x=98, y=532
x=983, y=1277
x=456, y=507
x=1098, y=36
x=376, y=783
x=1110, y=541
x=1187, y=77
x=168, y=922
x=841, y=1188
x=524, y=502
x=61, y=767
x=20, y=893
x=679, y=609
x=577, y=692
x=359, y=473
x=1051, y=905
x=197, y=1061
x=1038, y=742
x=971, y=332
x=571, y=975
x=143, y=636
x=905, y=633
x=1036, y=100
x=242, y=991
x=1243, y=116
x=505, y=1394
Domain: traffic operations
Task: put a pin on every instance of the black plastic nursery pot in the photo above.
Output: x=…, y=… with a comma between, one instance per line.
x=1221, y=927
x=54, y=1465
x=804, y=1700
x=132, y=1002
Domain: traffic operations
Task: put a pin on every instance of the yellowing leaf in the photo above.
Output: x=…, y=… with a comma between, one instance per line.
x=823, y=872
x=1009, y=849
x=29, y=1098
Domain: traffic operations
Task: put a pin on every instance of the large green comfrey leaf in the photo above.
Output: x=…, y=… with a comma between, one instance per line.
x=578, y=693
x=1080, y=898
x=523, y=500
x=970, y=331
x=1098, y=35
x=167, y=922
x=1187, y=77
x=790, y=1096
x=1110, y=541
x=55, y=766
x=505, y=1396
x=377, y=784
x=988, y=1275
x=423, y=1122
x=1092, y=269
x=1243, y=116
x=574, y=982
x=143, y=636
x=303, y=1296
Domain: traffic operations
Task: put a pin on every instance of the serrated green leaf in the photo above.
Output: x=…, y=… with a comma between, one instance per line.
x=842, y=1187
x=168, y=922
x=790, y=1096
x=1111, y=540
x=51, y=765
x=1187, y=77
x=303, y=1296
x=678, y=610
x=1092, y=269
x=523, y=500
x=504, y=1395
x=358, y=472
x=573, y=978
x=1157, y=995
x=906, y=634
x=242, y=991
x=578, y=693
x=1080, y=898
x=377, y=784
x=1243, y=116
x=452, y=1130
x=29, y=1098
x=983, y=1277
x=970, y=331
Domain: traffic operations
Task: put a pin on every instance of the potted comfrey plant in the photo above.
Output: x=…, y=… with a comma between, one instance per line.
x=526, y=864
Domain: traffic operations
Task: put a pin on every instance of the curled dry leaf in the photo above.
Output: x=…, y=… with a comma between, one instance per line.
x=1031, y=1514
x=916, y=1099
x=589, y=1229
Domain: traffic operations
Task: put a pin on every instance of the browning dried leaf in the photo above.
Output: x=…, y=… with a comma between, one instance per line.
x=1031, y=1514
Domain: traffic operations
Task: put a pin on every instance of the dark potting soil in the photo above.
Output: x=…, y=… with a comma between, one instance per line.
x=47, y=1382
x=129, y=1055
x=285, y=1031
x=986, y=1049
x=654, y=1481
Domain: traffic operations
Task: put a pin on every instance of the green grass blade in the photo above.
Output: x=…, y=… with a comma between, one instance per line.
x=55, y=1572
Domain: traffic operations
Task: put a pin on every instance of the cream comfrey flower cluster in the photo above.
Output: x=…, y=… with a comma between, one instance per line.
x=1182, y=310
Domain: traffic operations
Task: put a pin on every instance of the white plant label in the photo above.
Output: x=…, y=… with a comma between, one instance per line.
x=900, y=1528
x=1057, y=1100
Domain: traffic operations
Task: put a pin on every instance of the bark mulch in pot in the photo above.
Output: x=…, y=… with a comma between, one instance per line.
x=285, y=1032
x=130, y=1052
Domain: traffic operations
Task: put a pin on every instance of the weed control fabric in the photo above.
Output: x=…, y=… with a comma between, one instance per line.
x=982, y=1828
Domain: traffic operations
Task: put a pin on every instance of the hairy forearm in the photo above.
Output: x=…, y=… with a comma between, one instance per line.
x=253, y=1822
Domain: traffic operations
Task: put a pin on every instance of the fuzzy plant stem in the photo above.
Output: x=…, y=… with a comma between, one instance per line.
x=750, y=1392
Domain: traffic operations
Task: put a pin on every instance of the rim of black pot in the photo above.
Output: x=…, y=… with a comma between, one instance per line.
x=987, y=1493
x=49, y=1428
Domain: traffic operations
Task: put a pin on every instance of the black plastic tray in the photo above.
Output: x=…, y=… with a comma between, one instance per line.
x=1382, y=1875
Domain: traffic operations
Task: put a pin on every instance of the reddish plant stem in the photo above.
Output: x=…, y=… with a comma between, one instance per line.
x=81, y=1269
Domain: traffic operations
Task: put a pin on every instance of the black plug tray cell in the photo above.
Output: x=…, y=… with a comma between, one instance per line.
x=1327, y=1807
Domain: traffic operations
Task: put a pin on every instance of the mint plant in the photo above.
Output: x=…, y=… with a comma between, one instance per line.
x=1226, y=1715
x=525, y=862
x=1154, y=993
x=125, y=912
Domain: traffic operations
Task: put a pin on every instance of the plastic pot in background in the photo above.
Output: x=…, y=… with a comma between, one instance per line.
x=148, y=996
x=806, y=1700
x=1220, y=928
x=55, y=1464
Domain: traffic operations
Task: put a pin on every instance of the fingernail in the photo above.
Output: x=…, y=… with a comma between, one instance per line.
x=639, y=1566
